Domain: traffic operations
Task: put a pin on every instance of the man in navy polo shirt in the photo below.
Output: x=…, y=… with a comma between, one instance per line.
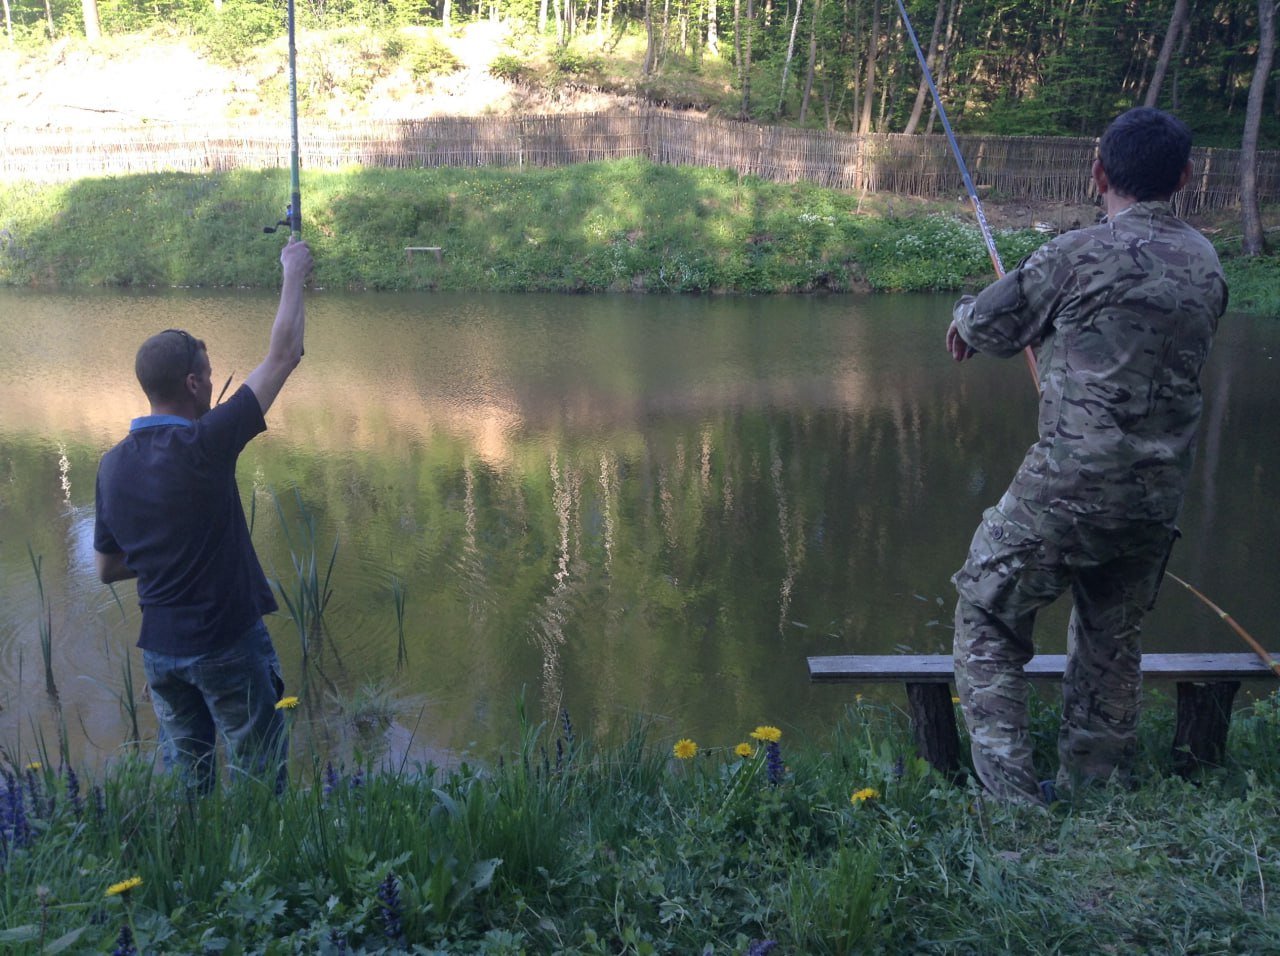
x=169, y=514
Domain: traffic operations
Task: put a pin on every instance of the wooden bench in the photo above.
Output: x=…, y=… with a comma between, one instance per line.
x=410, y=250
x=1207, y=684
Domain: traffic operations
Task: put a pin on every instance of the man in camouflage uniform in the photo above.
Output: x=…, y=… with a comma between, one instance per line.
x=1122, y=315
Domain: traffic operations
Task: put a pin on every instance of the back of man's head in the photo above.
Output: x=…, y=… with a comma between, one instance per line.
x=163, y=362
x=1144, y=152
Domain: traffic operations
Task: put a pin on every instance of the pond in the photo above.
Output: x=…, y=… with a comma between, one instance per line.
x=619, y=507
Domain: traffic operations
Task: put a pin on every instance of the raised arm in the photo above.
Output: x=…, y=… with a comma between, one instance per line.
x=285, y=350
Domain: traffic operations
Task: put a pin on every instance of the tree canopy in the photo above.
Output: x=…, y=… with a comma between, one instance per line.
x=1051, y=67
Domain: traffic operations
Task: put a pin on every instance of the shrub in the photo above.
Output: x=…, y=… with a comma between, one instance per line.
x=229, y=36
x=573, y=62
x=507, y=66
x=433, y=58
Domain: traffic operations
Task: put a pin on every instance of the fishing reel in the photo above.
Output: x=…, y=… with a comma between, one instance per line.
x=287, y=221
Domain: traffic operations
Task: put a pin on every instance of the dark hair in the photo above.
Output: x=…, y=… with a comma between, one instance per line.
x=164, y=361
x=1143, y=152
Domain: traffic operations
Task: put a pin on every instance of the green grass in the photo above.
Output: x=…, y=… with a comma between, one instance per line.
x=576, y=846
x=619, y=226
x=626, y=225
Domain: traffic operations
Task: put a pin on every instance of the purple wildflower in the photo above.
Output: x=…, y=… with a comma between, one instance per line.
x=357, y=779
x=99, y=805
x=33, y=788
x=761, y=947
x=16, y=812
x=567, y=725
x=389, y=897
x=330, y=779
x=124, y=943
x=773, y=762
x=73, y=793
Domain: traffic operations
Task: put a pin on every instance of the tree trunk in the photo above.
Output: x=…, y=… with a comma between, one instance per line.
x=446, y=13
x=786, y=64
x=813, y=60
x=542, y=18
x=8, y=21
x=650, y=41
x=1254, y=241
x=869, y=94
x=48, y=15
x=748, y=29
x=940, y=74
x=930, y=59
x=1177, y=23
x=713, y=38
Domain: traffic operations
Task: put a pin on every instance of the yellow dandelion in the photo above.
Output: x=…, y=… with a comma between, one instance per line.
x=955, y=700
x=124, y=886
x=863, y=795
x=857, y=698
x=35, y=765
x=744, y=749
x=286, y=703
x=684, y=749
x=770, y=734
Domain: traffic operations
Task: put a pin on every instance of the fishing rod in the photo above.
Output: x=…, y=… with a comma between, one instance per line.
x=987, y=238
x=978, y=212
x=293, y=212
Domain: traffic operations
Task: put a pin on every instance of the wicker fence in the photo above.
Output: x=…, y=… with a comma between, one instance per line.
x=1041, y=169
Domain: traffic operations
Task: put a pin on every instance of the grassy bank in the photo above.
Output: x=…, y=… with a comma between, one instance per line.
x=617, y=226
x=848, y=845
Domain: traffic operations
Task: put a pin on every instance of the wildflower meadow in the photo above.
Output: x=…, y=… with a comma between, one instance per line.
x=649, y=843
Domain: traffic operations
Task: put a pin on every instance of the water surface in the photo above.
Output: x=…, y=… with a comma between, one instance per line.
x=615, y=506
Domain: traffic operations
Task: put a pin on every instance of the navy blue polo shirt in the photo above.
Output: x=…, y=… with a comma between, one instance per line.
x=167, y=497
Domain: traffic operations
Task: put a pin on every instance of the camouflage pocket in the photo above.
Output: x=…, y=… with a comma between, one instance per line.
x=999, y=555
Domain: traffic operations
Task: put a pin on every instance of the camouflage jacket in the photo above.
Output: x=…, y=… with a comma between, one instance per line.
x=1122, y=315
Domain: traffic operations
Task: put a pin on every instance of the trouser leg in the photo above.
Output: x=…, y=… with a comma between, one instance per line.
x=990, y=654
x=242, y=685
x=187, y=731
x=1102, y=687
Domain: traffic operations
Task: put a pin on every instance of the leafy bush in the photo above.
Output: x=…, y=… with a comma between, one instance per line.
x=433, y=58
x=507, y=66
x=228, y=37
x=573, y=62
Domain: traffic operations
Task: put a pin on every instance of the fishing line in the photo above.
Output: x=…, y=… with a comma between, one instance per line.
x=989, y=240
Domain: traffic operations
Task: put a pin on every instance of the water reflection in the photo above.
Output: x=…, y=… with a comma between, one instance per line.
x=617, y=506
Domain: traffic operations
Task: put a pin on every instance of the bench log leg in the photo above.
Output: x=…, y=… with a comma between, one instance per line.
x=1204, y=716
x=933, y=718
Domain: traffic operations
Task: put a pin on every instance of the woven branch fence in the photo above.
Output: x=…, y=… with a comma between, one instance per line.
x=1039, y=169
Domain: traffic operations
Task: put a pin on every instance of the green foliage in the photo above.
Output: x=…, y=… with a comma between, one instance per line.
x=626, y=225
x=510, y=67
x=1252, y=282
x=573, y=62
x=588, y=847
x=936, y=253
x=430, y=57
x=230, y=36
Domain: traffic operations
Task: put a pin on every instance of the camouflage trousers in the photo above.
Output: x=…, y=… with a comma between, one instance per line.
x=1023, y=557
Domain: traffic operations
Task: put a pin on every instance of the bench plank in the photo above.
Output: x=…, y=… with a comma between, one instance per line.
x=939, y=668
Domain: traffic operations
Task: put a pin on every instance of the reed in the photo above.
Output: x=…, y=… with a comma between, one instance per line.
x=44, y=622
x=307, y=594
x=399, y=595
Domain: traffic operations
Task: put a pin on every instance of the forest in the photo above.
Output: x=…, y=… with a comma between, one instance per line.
x=1051, y=67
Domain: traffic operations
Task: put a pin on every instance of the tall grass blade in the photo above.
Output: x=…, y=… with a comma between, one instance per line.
x=45, y=623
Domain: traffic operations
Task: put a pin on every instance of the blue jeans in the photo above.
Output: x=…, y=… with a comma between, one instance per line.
x=231, y=691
